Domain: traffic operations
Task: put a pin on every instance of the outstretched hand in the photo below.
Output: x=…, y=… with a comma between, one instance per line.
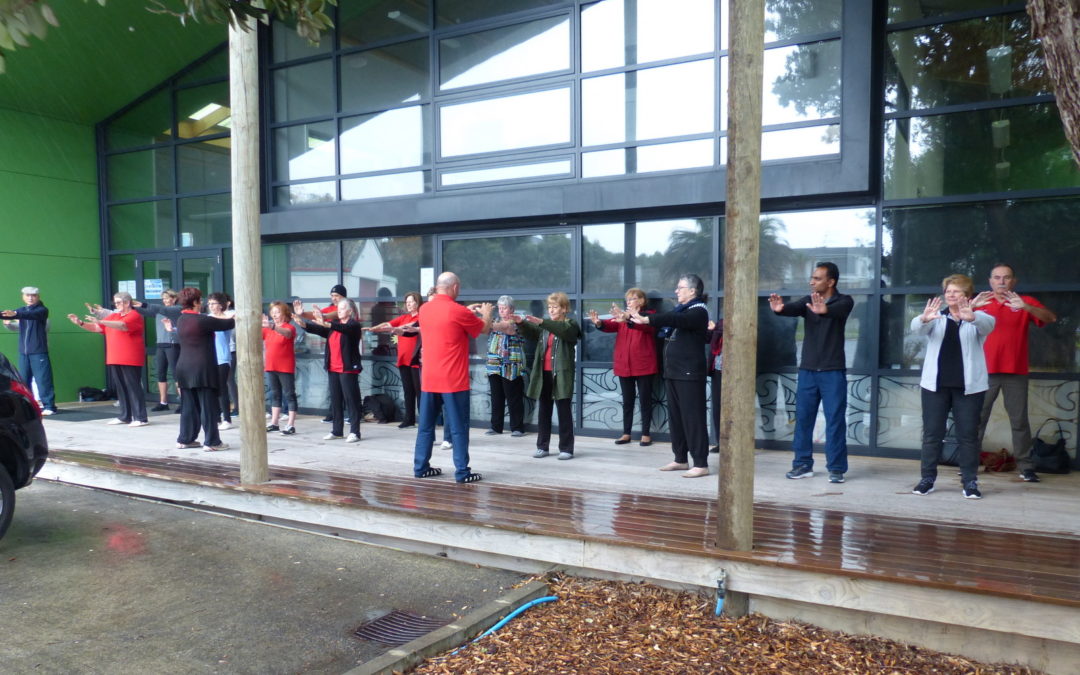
x=817, y=304
x=933, y=308
x=964, y=310
x=776, y=303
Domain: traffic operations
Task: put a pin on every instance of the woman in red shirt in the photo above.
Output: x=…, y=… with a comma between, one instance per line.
x=634, y=361
x=408, y=360
x=342, y=362
x=279, y=342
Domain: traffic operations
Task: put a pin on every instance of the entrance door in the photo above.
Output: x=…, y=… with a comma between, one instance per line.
x=202, y=270
x=155, y=272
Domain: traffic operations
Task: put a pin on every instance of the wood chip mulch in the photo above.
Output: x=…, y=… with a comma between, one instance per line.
x=611, y=627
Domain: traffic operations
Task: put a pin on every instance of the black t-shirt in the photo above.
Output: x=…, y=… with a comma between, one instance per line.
x=951, y=358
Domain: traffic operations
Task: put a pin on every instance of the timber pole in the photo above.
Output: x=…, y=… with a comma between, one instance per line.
x=735, y=498
x=247, y=261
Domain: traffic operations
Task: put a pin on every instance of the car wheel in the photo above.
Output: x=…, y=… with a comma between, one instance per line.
x=7, y=500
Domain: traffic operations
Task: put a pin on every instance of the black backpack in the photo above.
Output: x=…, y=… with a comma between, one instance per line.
x=381, y=407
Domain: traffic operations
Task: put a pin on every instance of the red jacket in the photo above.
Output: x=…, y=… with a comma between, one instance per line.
x=635, y=347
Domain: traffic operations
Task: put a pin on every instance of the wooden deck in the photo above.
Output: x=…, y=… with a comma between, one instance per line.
x=1043, y=568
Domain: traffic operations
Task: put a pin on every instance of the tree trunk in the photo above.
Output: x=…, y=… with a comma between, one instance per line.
x=1057, y=24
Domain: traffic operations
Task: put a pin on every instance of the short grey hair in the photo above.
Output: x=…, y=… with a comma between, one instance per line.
x=31, y=290
x=505, y=301
x=123, y=295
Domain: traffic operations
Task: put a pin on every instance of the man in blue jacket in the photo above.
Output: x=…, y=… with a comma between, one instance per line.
x=34, y=362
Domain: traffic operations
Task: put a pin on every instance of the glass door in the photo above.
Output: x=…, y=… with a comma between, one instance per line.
x=202, y=270
x=154, y=273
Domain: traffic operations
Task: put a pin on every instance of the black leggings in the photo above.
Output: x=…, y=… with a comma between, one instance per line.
x=223, y=370
x=643, y=384
x=410, y=388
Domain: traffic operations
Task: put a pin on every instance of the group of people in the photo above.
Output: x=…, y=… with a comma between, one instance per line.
x=977, y=348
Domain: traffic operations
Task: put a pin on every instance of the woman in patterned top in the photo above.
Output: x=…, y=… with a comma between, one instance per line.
x=506, y=371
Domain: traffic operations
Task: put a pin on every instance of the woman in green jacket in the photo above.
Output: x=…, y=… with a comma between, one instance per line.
x=551, y=381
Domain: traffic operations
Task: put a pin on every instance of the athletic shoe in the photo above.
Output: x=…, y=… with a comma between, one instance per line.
x=925, y=487
x=177, y=411
x=328, y=419
x=224, y=426
x=565, y=455
x=185, y=446
x=836, y=477
x=117, y=421
x=353, y=438
x=540, y=452
x=48, y=411
x=138, y=423
x=798, y=472
x=159, y=407
x=332, y=437
x=1027, y=475
x=517, y=434
x=288, y=431
x=971, y=490
x=273, y=427
x=216, y=448
x=447, y=445
x=406, y=425
x=492, y=432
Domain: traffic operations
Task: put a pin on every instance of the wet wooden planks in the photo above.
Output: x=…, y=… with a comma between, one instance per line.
x=1016, y=564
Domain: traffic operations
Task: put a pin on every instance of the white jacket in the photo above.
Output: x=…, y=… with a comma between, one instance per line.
x=972, y=336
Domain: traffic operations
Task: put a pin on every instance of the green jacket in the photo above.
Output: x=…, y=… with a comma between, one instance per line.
x=566, y=334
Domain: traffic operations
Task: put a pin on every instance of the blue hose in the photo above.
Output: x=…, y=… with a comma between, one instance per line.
x=519, y=610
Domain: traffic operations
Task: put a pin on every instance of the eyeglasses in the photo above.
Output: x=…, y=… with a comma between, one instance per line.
x=682, y=288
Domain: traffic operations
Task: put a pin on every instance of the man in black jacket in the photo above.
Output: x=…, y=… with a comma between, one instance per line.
x=822, y=372
x=32, y=322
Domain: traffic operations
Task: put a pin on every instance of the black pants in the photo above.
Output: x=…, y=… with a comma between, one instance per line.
x=282, y=390
x=344, y=401
x=232, y=383
x=224, y=405
x=410, y=388
x=935, y=414
x=507, y=394
x=686, y=413
x=714, y=384
x=199, y=408
x=643, y=386
x=543, y=418
x=128, y=383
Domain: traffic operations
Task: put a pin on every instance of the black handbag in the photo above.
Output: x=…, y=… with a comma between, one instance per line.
x=1050, y=457
x=950, y=449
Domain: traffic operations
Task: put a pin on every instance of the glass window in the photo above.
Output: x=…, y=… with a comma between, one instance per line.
x=801, y=82
x=286, y=45
x=650, y=103
x=793, y=243
x=603, y=260
x=137, y=175
x=920, y=246
x=1017, y=148
x=665, y=249
x=203, y=111
x=906, y=10
x=142, y=225
x=313, y=270
x=217, y=66
x=204, y=167
x=122, y=273
x=453, y=12
x=361, y=23
x=392, y=139
x=506, y=123
x=646, y=158
x=982, y=59
x=304, y=91
x=306, y=193
x=657, y=30
x=386, y=185
x=801, y=142
x=275, y=272
x=555, y=167
x=512, y=262
x=304, y=151
x=148, y=122
x=786, y=20
x=385, y=266
x=205, y=221
x=385, y=77
x=505, y=53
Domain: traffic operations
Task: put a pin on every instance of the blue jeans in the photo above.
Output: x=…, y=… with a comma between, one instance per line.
x=829, y=389
x=455, y=409
x=38, y=367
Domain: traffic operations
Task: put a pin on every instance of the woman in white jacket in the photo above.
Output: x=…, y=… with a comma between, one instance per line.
x=953, y=379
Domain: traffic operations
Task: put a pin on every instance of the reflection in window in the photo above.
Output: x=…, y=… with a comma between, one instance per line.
x=785, y=20
x=388, y=140
x=506, y=123
x=512, y=262
x=558, y=167
x=646, y=158
x=386, y=185
x=390, y=263
x=611, y=38
x=360, y=23
x=204, y=167
x=306, y=193
x=304, y=151
x=802, y=82
x=905, y=10
x=203, y=111
x=304, y=91
x=135, y=175
x=982, y=59
x=665, y=249
x=384, y=77
x=313, y=269
x=1016, y=148
x=520, y=50
x=668, y=101
x=603, y=259
x=454, y=12
x=793, y=243
x=287, y=45
x=142, y=225
x=205, y=221
x=801, y=142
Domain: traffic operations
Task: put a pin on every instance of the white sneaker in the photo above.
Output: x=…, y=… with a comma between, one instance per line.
x=447, y=445
x=48, y=411
x=353, y=438
x=116, y=421
x=224, y=426
x=138, y=423
x=332, y=437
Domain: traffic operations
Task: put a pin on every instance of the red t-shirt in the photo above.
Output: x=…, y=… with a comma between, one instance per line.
x=125, y=347
x=333, y=343
x=280, y=351
x=445, y=330
x=1006, y=347
x=406, y=344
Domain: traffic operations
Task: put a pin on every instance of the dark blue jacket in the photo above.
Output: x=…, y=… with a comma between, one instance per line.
x=32, y=327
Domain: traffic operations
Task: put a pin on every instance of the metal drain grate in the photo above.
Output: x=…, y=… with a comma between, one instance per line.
x=397, y=628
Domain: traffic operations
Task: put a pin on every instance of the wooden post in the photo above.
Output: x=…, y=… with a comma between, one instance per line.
x=247, y=261
x=735, y=500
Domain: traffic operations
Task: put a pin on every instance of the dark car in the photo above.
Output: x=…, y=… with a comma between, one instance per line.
x=23, y=447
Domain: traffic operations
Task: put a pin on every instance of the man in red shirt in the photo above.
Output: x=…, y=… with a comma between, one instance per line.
x=446, y=328
x=125, y=356
x=1006, y=352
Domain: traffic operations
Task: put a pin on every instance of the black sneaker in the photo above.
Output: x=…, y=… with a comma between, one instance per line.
x=288, y=431
x=328, y=419
x=273, y=427
x=971, y=490
x=492, y=432
x=836, y=477
x=800, y=472
x=925, y=487
x=159, y=407
x=715, y=450
x=1029, y=476
x=177, y=411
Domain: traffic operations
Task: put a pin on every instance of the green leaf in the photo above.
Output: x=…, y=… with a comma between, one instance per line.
x=48, y=15
x=5, y=38
x=3, y=66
